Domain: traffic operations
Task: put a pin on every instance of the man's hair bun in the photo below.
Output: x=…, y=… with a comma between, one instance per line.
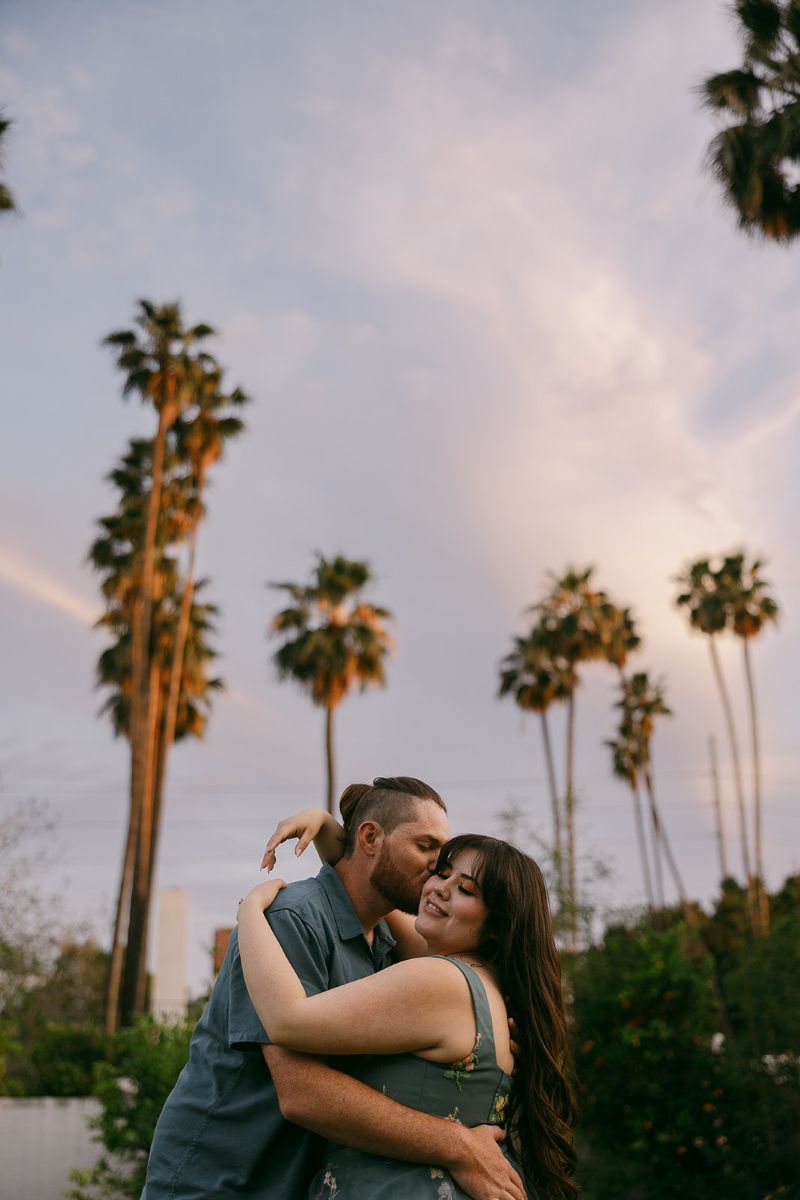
x=350, y=798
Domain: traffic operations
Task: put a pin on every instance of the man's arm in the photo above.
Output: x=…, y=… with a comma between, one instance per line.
x=337, y=1107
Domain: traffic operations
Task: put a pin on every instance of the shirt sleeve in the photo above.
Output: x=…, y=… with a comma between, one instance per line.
x=305, y=952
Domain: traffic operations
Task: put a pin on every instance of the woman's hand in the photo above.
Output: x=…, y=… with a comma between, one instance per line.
x=312, y=824
x=262, y=895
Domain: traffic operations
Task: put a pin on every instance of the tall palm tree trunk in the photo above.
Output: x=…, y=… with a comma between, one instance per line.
x=569, y=813
x=329, y=763
x=640, y=837
x=179, y=649
x=120, y=918
x=760, y=880
x=141, y=716
x=555, y=804
x=158, y=795
x=734, y=747
x=143, y=727
x=664, y=840
x=655, y=841
x=723, y=850
x=134, y=978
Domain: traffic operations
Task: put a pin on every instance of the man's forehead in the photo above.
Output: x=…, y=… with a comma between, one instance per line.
x=430, y=822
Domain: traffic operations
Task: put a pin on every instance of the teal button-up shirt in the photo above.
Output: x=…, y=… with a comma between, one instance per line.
x=221, y=1133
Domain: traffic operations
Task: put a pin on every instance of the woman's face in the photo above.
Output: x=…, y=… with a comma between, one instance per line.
x=451, y=908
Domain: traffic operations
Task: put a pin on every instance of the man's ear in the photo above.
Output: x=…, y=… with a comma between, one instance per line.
x=369, y=836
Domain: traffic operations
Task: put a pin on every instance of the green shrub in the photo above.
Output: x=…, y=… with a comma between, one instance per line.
x=663, y=1114
x=62, y=1060
x=144, y=1062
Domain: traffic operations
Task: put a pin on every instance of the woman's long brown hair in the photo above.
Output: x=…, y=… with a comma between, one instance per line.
x=518, y=942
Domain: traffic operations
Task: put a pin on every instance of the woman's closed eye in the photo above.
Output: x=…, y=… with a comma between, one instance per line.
x=444, y=873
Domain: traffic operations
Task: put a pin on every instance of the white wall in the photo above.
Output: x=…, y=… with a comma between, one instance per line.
x=170, y=992
x=41, y=1140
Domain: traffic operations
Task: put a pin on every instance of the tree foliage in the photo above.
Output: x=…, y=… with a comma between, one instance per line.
x=756, y=152
x=685, y=1043
x=144, y=1062
x=7, y=202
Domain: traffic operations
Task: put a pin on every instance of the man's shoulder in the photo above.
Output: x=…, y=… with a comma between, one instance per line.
x=305, y=899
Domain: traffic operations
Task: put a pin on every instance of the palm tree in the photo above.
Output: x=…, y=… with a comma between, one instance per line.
x=755, y=153
x=536, y=680
x=749, y=608
x=7, y=201
x=706, y=601
x=626, y=758
x=642, y=701
x=577, y=621
x=158, y=362
x=332, y=640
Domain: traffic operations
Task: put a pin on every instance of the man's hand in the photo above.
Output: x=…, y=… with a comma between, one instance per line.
x=480, y=1168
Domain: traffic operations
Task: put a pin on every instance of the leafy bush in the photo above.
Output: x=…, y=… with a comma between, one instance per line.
x=145, y=1061
x=669, y=1110
x=61, y=1061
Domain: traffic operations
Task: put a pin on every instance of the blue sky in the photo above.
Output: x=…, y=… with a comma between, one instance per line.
x=494, y=318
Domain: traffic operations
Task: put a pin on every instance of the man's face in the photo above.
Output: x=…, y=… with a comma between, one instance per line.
x=408, y=856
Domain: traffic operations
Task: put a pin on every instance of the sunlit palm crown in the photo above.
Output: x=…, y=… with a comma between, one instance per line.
x=583, y=624
x=159, y=358
x=755, y=154
x=534, y=673
x=726, y=593
x=332, y=644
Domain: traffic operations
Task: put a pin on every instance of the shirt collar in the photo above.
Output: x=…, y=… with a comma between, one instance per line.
x=344, y=914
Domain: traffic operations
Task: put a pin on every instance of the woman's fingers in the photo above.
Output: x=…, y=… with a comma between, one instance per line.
x=304, y=826
x=263, y=894
x=283, y=831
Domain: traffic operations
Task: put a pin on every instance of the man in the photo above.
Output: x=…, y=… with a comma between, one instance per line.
x=234, y=1126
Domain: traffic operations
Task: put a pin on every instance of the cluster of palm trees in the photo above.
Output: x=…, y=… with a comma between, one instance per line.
x=576, y=623
x=157, y=666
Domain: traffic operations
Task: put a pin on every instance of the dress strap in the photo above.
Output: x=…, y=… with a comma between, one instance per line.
x=480, y=1003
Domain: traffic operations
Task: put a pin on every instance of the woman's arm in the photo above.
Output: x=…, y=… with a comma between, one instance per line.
x=420, y=1005
x=311, y=824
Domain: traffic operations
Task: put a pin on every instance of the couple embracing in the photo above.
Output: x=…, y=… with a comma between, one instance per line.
x=357, y=1041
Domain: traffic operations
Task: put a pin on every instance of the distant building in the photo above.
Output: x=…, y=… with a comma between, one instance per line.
x=170, y=989
x=221, y=937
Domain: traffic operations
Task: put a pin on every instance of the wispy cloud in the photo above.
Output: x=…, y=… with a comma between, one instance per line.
x=31, y=581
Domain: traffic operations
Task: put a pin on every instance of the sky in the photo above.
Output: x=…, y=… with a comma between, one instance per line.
x=494, y=319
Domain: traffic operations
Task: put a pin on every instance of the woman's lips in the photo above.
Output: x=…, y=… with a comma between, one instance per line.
x=432, y=907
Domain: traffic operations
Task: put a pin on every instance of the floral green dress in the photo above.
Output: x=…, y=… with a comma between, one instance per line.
x=474, y=1091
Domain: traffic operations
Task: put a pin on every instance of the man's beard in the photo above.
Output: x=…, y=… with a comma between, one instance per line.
x=394, y=885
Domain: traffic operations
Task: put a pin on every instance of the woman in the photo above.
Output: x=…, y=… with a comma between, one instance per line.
x=435, y=1029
